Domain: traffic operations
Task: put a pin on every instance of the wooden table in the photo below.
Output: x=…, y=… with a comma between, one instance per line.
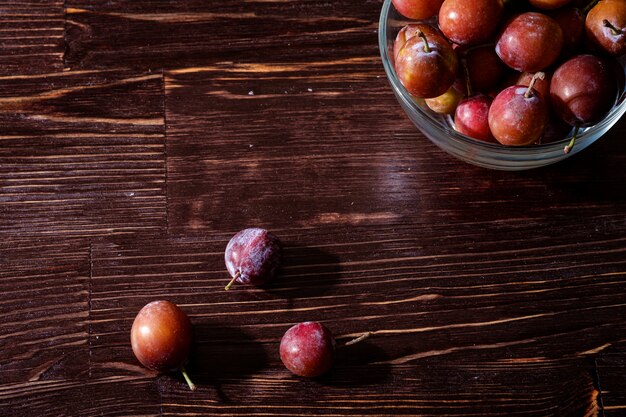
x=137, y=136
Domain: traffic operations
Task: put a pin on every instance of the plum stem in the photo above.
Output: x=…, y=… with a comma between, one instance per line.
x=426, y=46
x=468, y=82
x=358, y=339
x=590, y=6
x=232, y=281
x=482, y=45
x=614, y=31
x=539, y=75
x=192, y=386
x=570, y=145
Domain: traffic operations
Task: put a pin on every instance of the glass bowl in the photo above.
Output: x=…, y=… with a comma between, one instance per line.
x=439, y=129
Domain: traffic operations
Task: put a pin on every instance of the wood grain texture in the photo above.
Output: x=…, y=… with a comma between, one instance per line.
x=137, y=136
x=443, y=315
x=325, y=143
x=448, y=387
x=82, y=153
x=115, y=396
x=172, y=34
x=31, y=36
x=45, y=312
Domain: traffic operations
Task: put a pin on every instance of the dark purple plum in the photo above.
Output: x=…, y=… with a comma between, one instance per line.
x=582, y=91
x=252, y=256
x=530, y=42
x=472, y=117
x=308, y=349
x=470, y=22
x=572, y=23
x=556, y=129
x=418, y=9
x=518, y=115
x=484, y=67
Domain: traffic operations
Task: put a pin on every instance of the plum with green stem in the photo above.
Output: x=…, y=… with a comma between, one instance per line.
x=308, y=349
x=582, y=91
x=161, y=338
x=471, y=115
x=410, y=30
x=252, y=256
x=426, y=65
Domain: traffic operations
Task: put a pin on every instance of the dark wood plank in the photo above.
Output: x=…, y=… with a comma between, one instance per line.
x=178, y=123
x=31, y=36
x=451, y=387
x=115, y=396
x=317, y=143
x=169, y=34
x=441, y=316
x=611, y=368
x=82, y=153
x=45, y=357
x=45, y=311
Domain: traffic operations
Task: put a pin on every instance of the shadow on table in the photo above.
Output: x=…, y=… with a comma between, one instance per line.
x=306, y=273
x=358, y=365
x=595, y=174
x=223, y=353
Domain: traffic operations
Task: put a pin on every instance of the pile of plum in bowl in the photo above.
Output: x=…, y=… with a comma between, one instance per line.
x=509, y=85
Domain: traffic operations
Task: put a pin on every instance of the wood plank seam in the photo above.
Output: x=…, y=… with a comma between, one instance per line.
x=75, y=161
x=596, y=380
x=89, y=309
x=65, y=43
x=165, y=143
